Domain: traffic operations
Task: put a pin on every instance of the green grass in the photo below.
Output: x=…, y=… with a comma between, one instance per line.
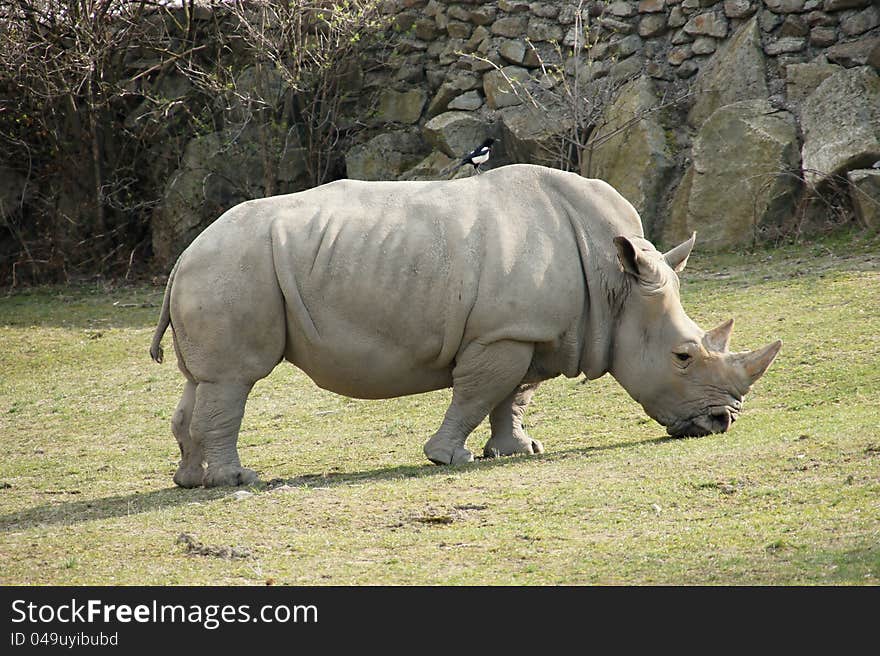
x=790, y=496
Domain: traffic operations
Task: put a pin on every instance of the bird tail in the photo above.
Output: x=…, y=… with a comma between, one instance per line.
x=452, y=168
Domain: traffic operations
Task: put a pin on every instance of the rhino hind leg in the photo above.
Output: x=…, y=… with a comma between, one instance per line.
x=191, y=470
x=216, y=420
x=483, y=376
x=508, y=435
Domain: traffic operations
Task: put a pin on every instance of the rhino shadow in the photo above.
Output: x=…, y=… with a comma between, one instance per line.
x=75, y=512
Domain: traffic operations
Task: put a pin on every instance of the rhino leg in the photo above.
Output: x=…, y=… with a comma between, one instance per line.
x=508, y=435
x=483, y=376
x=216, y=419
x=191, y=469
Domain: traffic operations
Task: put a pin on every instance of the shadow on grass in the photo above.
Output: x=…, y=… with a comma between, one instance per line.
x=74, y=512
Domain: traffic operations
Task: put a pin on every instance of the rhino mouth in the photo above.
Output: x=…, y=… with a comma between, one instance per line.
x=716, y=419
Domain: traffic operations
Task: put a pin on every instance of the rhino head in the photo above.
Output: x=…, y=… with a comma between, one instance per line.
x=684, y=377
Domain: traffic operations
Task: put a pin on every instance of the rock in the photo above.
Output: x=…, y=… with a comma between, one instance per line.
x=503, y=88
x=802, y=79
x=531, y=135
x=742, y=181
x=822, y=37
x=769, y=21
x=543, y=30
x=425, y=29
x=240, y=495
x=837, y=5
x=794, y=25
x=856, y=53
x=627, y=69
x=785, y=44
x=652, y=25
x=434, y=167
x=483, y=15
x=709, y=23
x=864, y=190
x=651, y=6
x=513, y=6
x=841, y=124
x=217, y=171
x=614, y=25
x=628, y=45
x=681, y=37
x=861, y=22
x=513, y=50
x=455, y=133
x=469, y=102
x=453, y=87
x=636, y=161
x=621, y=9
x=458, y=30
x=544, y=10
x=399, y=106
x=820, y=18
x=735, y=72
x=386, y=156
x=785, y=6
x=739, y=8
x=679, y=54
x=704, y=45
x=511, y=26
x=676, y=17
x=457, y=12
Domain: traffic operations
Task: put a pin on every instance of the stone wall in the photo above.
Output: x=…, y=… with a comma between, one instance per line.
x=772, y=93
x=710, y=115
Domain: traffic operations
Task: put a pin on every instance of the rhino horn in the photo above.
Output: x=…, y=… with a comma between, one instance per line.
x=677, y=257
x=718, y=339
x=756, y=362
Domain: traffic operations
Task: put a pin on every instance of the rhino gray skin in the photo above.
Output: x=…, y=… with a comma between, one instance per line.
x=489, y=284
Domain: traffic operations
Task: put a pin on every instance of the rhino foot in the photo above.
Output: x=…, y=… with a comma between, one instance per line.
x=510, y=445
x=439, y=455
x=229, y=475
x=189, y=476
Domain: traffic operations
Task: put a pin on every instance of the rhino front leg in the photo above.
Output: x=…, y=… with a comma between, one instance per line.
x=483, y=376
x=508, y=435
x=191, y=470
x=216, y=420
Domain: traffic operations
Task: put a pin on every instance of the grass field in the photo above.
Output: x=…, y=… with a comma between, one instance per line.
x=790, y=496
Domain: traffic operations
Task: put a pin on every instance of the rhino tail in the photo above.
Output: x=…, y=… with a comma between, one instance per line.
x=156, y=351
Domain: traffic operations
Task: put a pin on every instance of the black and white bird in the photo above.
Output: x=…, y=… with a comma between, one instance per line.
x=479, y=155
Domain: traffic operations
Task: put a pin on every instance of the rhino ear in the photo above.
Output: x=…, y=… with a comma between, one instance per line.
x=633, y=261
x=677, y=258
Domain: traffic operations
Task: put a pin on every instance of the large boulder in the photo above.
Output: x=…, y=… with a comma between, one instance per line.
x=220, y=170
x=742, y=182
x=633, y=155
x=801, y=79
x=735, y=72
x=400, y=106
x=531, y=135
x=386, y=156
x=456, y=133
x=864, y=189
x=841, y=124
x=504, y=87
x=453, y=87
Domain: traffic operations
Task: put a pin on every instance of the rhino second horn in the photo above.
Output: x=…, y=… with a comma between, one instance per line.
x=677, y=257
x=756, y=362
x=718, y=339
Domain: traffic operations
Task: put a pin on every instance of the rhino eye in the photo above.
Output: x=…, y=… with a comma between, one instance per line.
x=683, y=357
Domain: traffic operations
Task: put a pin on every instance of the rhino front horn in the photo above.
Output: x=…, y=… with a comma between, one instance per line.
x=756, y=362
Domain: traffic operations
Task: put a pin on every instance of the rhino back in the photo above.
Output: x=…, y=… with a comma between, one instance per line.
x=397, y=277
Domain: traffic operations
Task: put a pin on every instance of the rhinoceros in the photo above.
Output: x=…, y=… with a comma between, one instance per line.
x=489, y=285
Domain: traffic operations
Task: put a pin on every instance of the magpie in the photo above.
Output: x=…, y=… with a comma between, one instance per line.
x=478, y=156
